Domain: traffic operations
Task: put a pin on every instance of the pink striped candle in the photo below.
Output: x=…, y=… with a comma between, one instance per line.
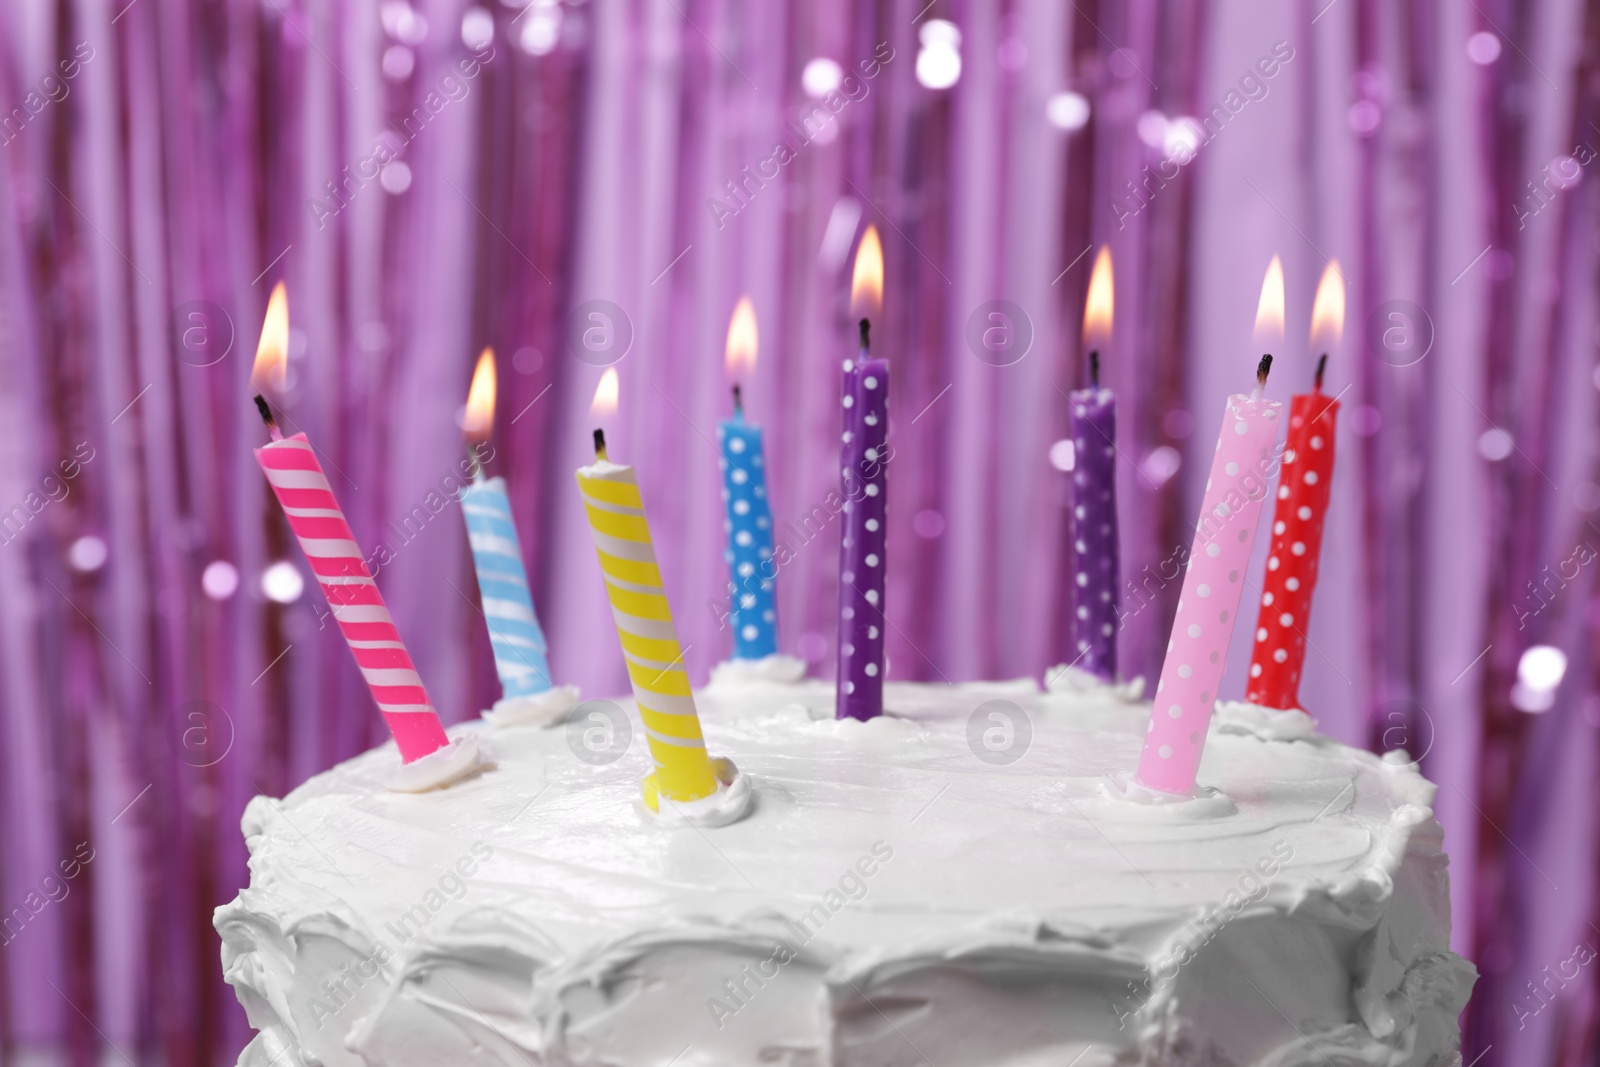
x=324, y=535
x=1241, y=474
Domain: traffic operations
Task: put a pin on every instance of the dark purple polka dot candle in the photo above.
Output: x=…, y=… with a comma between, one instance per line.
x=861, y=584
x=863, y=462
x=1093, y=424
x=1096, y=568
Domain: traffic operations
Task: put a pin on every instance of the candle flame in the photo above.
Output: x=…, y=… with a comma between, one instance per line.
x=1098, y=307
x=739, y=355
x=1269, y=312
x=479, y=420
x=866, y=283
x=605, y=395
x=272, y=351
x=1327, y=312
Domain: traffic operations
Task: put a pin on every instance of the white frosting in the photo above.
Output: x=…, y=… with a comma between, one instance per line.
x=1075, y=681
x=895, y=891
x=1269, y=724
x=1205, y=802
x=730, y=803
x=741, y=672
x=438, y=768
x=540, y=709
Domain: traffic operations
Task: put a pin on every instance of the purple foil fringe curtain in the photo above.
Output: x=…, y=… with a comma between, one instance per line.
x=433, y=178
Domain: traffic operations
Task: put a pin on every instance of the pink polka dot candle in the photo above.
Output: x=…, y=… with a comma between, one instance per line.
x=1298, y=515
x=1212, y=589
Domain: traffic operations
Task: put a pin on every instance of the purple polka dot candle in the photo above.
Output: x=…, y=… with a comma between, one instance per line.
x=1094, y=532
x=862, y=556
x=1097, y=571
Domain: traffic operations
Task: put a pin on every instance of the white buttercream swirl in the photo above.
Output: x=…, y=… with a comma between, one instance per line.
x=439, y=768
x=1269, y=724
x=1075, y=681
x=730, y=803
x=1205, y=802
x=540, y=709
x=777, y=668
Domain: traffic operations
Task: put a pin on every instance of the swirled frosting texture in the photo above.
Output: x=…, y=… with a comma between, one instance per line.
x=951, y=883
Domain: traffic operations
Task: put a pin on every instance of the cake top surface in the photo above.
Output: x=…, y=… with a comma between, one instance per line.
x=982, y=811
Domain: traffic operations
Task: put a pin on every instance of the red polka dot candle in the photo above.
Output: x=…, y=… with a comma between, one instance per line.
x=1297, y=521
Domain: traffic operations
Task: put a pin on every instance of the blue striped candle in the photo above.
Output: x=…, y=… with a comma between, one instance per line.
x=520, y=650
x=752, y=608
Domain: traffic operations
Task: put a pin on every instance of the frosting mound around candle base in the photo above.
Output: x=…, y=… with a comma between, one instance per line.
x=730, y=803
x=774, y=668
x=536, y=709
x=1065, y=678
x=950, y=880
x=439, y=768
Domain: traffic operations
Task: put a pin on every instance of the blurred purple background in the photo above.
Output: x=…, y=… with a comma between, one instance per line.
x=436, y=177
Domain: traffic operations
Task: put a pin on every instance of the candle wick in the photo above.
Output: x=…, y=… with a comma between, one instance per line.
x=600, y=445
x=477, y=464
x=1262, y=370
x=266, y=417
x=1094, y=368
x=1322, y=365
x=866, y=342
x=738, y=400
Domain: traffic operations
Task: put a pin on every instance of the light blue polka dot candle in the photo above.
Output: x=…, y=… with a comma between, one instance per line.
x=752, y=607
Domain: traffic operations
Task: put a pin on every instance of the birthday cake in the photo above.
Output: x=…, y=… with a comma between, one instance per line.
x=965, y=880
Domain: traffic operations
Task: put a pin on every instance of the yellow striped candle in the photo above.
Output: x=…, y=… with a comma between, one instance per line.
x=649, y=640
